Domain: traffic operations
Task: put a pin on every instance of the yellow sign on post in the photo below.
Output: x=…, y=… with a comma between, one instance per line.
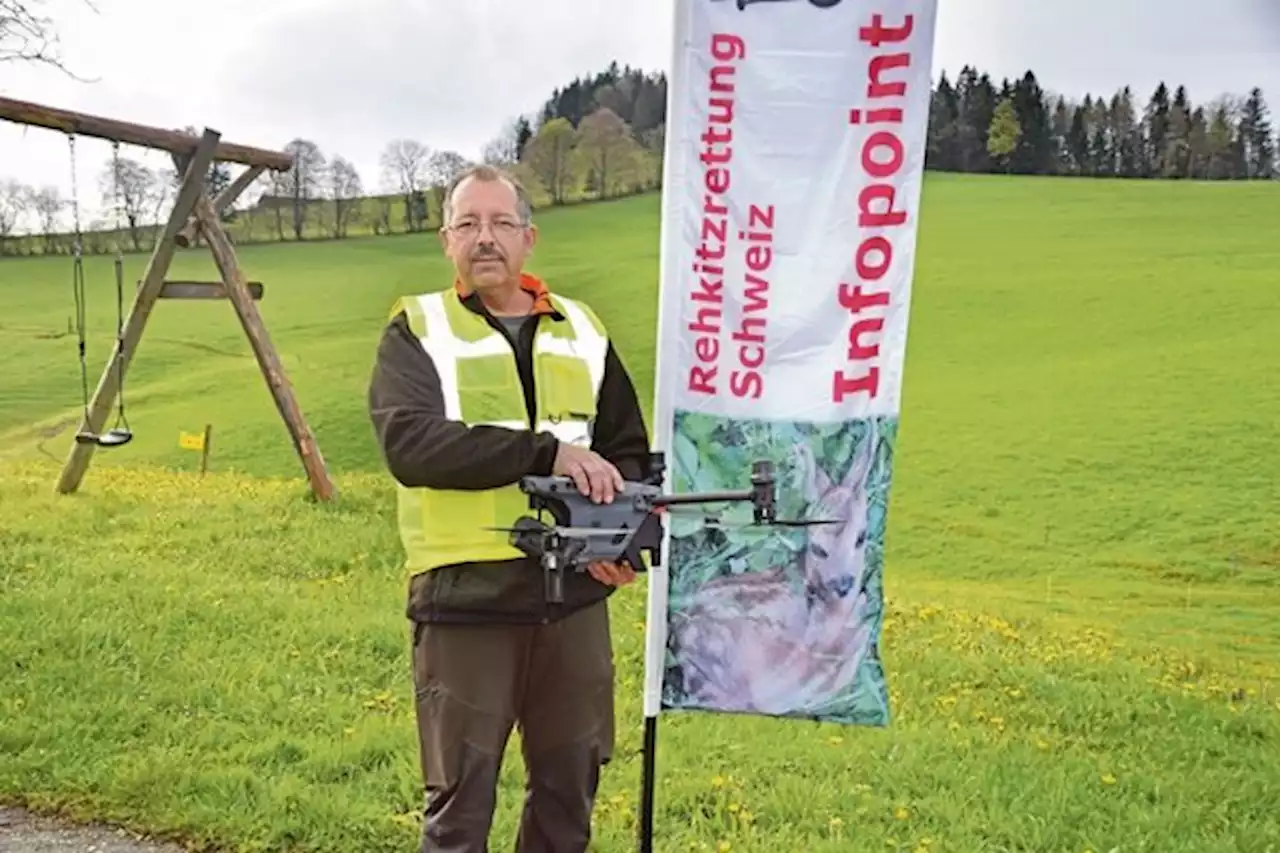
x=197, y=441
x=191, y=440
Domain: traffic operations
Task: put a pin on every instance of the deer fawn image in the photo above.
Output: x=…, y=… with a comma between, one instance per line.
x=766, y=642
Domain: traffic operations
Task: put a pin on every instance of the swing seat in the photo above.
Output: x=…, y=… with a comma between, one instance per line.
x=111, y=438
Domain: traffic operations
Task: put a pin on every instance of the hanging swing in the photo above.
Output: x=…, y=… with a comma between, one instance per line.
x=120, y=433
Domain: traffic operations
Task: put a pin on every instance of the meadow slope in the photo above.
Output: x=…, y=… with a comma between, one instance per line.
x=1083, y=564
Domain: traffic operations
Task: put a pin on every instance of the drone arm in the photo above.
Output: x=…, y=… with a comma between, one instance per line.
x=761, y=495
x=423, y=447
x=739, y=496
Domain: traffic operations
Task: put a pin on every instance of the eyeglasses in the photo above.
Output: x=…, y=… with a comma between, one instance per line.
x=469, y=228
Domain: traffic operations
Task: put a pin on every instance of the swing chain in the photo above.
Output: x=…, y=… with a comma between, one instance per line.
x=75, y=198
x=117, y=197
x=122, y=422
x=77, y=280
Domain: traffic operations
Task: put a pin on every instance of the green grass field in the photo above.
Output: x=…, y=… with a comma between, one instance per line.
x=1083, y=570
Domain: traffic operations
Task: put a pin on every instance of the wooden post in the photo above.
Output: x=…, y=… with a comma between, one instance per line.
x=173, y=141
x=204, y=449
x=268, y=361
x=225, y=199
x=204, y=290
x=191, y=191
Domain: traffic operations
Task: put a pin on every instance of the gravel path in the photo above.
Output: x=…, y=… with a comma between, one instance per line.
x=23, y=832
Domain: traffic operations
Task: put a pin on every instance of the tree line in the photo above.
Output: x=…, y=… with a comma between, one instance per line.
x=1019, y=128
x=601, y=135
x=598, y=137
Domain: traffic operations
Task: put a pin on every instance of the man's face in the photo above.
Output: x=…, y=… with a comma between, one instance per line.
x=485, y=238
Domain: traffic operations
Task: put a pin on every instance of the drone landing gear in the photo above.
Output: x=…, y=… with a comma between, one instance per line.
x=559, y=549
x=552, y=550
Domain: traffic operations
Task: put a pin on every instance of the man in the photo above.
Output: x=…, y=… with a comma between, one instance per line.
x=475, y=386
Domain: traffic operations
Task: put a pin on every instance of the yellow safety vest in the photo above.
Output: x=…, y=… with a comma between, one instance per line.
x=481, y=386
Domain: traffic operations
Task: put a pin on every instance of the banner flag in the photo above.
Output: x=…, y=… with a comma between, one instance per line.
x=794, y=159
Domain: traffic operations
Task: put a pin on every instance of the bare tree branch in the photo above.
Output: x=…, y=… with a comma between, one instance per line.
x=128, y=189
x=28, y=35
x=14, y=200
x=404, y=164
x=346, y=188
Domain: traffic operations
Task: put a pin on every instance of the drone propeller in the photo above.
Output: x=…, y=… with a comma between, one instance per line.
x=567, y=531
x=801, y=522
x=777, y=522
x=713, y=520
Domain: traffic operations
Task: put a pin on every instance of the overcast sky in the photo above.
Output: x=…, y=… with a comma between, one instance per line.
x=352, y=76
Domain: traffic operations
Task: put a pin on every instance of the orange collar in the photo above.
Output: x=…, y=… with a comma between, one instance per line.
x=529, y=283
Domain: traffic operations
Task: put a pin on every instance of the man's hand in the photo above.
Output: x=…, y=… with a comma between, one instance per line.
x=593, y=474
x=613, y=574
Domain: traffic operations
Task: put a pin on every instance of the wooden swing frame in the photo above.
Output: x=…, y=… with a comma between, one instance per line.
x=192, y=211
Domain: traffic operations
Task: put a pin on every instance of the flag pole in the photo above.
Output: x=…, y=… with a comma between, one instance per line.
x=647, y=785
x=673, y=176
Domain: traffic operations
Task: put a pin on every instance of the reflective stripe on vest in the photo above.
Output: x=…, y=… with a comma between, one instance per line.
x=481, y=386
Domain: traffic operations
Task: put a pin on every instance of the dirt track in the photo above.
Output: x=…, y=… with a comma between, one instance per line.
x=22, y=832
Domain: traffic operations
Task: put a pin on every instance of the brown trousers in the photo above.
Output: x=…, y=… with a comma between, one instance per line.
x=474, y=683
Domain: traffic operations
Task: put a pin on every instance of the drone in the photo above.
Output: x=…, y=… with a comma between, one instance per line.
x=582, y=532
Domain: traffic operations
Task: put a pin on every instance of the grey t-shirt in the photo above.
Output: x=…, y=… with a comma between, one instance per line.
x=513, y=325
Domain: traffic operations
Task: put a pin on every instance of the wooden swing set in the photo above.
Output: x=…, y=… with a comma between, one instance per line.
x=193, y=210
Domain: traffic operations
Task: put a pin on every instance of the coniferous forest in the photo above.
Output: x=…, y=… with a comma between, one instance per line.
x=978, y=124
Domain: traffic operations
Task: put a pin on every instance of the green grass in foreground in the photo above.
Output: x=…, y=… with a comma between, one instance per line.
x=1083, y=574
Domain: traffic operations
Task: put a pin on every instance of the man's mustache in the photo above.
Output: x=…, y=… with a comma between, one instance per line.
x=486, y=256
